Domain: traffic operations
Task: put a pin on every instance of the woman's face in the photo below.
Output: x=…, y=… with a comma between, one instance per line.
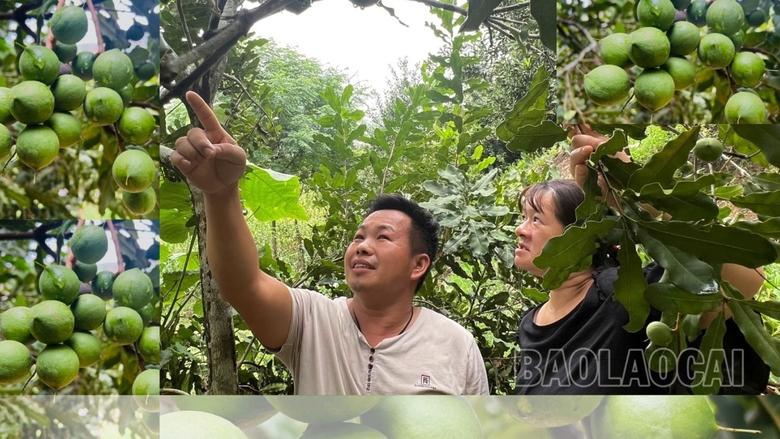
x=538, y=227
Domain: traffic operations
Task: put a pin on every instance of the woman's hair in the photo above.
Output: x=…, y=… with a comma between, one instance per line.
x=566, y=196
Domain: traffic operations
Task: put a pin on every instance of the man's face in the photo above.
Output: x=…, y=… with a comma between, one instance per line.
x=380, y=256
x=534, y=232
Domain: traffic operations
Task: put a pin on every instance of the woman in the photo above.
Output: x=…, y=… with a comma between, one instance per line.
x=575, y=342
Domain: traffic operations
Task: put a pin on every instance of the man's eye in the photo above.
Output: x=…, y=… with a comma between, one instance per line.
x=383, y=237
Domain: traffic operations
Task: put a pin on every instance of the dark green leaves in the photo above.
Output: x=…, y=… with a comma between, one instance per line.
x=684, y=270
x=753, y=329
x=571, y=251
x=708, y=367
x=630, y=286
x=479, y=11
x=668, y=298
x=762, y=203
x=766, y=137
x=525, y=128
x=715, y=243
x=544, y=13
x=662, y=165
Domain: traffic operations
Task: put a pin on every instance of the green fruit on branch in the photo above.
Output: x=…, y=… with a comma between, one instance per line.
x=660, y=359
x=126, y=93
x=683, y=72
x=680, y=5
x=87, y=348
x=6, y=140
x=39, y=63
x=53, y=322
x=57, y=366
x=149, y=313
x=133, y=289
x=103, y=106
x=31, y=102
x=649, y=47
x=89, y=243
x=745, y=108
x=684, y=38
x=550, y=411
x=192, y=424
x=697, y=12
x=140, y=203
x=133, y=171
x=146, y=388
x=6, y=101
x=432, y=416
x=67, y=127
x=69, y=92
x=82, y=65
x=659, y=333
x=102, y=283
x=65, y=52
x=15, y=362
x=58, y=282
x=112, y=69
x=37, y=146
x=149, y=345
x=716, y=51
x=123, y=325
x=146, y=71
x=85, y=272
x=708, y=149
x=725, y=17
x=757, y=17
x=747, y=69
x=654, y=89
x=15, y=324
x=614, y=49
x=607, y=84
x=136, y=125
x=89, y=312
x=69, y=24
x=672, y=417
x=310, y=409
x=655, y=13
x=738, y=39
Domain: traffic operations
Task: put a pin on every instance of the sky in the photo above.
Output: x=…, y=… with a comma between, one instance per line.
x=364, y=42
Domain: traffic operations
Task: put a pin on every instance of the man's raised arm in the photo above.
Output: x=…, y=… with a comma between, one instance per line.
x=212, y=161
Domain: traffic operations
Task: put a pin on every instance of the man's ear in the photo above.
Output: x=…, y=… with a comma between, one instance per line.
x=421, y=264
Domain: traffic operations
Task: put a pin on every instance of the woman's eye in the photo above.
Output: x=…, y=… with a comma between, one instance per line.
x=383, y=237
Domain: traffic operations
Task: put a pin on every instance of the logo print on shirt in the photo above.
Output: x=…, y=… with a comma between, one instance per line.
x=425, y=381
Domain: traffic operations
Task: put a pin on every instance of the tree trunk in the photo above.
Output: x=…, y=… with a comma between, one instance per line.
x=218, y=322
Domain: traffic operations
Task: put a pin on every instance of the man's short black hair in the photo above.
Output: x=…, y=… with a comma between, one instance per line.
x=425, y=229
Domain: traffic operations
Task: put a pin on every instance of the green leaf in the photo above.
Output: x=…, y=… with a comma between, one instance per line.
x=766, y=137
x=762, y=203
x=668, y=298
x=591, y=206
x=545, y=15
x=479, y=11
x=271, y=195
x=530, y=109
x=571, y=251
x=753, y=329
x=708, y=368
x=175, y=195
x=630, y=286
x=534, y=137
x=684, y=202
x=714, y=244
x=616, y=143
x=769, y=228
x=661, y=166
x=685, y=271
x=618, y=171
x=173, y=226
x=770, y=308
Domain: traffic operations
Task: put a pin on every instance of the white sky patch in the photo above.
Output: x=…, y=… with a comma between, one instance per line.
x=362, y=42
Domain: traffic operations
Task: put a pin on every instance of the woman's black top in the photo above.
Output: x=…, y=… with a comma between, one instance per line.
x=589, y=352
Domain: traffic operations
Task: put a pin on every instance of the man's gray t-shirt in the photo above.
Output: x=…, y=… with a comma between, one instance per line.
x=328, y=355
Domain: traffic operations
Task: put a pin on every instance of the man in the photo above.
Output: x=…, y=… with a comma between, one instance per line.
x=376, y=342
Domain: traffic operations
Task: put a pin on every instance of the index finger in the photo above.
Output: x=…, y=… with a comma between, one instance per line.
x=203, y=112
